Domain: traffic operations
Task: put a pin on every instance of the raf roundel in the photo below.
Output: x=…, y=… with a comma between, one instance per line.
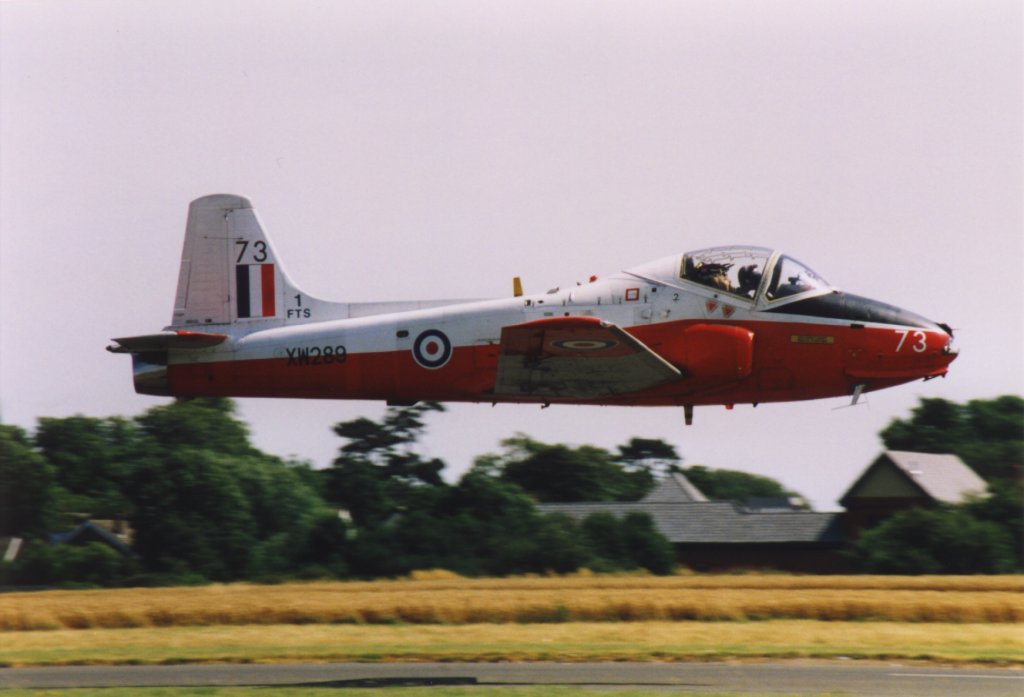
x=432, y=349
x=584, y=344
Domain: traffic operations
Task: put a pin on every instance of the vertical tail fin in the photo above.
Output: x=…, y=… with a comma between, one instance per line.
x=230, y=275
x=229, y=270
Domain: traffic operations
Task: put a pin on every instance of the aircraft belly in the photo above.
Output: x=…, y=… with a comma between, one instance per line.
x=388, y=375
x=786, y=361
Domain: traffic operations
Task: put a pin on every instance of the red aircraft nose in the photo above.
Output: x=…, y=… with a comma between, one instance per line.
x=884, y=345
x=909, y=349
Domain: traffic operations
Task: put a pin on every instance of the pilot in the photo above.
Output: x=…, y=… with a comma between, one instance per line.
x=750, y=280
x=713, y=275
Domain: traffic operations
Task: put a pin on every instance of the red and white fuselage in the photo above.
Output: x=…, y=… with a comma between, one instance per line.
x=727, y=325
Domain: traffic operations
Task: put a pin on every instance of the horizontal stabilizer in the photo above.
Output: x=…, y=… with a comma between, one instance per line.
x=576, y=357
x=163, y=341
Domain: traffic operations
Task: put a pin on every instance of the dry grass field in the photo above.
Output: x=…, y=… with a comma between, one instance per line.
x=439, y=616
x=446, y=599
x=564, y=642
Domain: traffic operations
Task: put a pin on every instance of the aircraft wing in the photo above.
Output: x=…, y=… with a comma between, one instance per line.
x=581, y=357
x=162, y=341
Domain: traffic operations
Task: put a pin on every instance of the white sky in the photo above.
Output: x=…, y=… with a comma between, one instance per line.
x=399, y=150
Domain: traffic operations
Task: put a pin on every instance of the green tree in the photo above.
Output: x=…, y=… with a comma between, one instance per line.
x=631, y=543
x=358, y=486
x=1003, y=505
x=388, y=444
x=207, y=501
x=651, y=455
x=988, y=434
x=479, y=526
x=561, y=473
x=93, y=564
x=378, y=470
x=208, y=423
x=559, y=546
x=191, y=513
x=603, y=532
x=28, y=486
x=485, y=525
x=647, y=547
x=37, y=564
x=93, y=459
x=325, y=549
x=284, y=510
x=935, y=541
x=982, y=535
x=733, y=485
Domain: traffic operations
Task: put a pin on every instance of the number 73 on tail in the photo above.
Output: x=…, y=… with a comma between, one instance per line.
x=724, y=325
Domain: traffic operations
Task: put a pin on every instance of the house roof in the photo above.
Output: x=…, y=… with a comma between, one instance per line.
x=675, y=488
x=943, y=478
x=720, y=522
x=87, y=528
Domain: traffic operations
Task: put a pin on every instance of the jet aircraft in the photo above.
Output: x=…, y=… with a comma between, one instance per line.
x=724, y=325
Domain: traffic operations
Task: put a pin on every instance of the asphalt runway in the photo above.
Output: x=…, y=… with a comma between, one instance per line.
x=791, y=677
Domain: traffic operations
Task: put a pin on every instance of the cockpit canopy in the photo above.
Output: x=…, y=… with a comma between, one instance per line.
x=750, y=273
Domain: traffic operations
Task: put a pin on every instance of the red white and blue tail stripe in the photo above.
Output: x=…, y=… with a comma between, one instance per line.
x=254, y=291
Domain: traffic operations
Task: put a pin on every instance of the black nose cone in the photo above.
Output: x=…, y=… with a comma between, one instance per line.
x=854, y=308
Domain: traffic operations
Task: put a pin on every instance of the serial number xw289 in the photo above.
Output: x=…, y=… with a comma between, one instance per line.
x=316, y=355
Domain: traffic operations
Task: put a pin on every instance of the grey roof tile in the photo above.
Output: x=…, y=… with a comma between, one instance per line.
x=719, y=522
x=675, y=488
x=945, y=477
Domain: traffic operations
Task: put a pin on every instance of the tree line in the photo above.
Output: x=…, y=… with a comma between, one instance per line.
x=204, y=504
x=983, y=535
